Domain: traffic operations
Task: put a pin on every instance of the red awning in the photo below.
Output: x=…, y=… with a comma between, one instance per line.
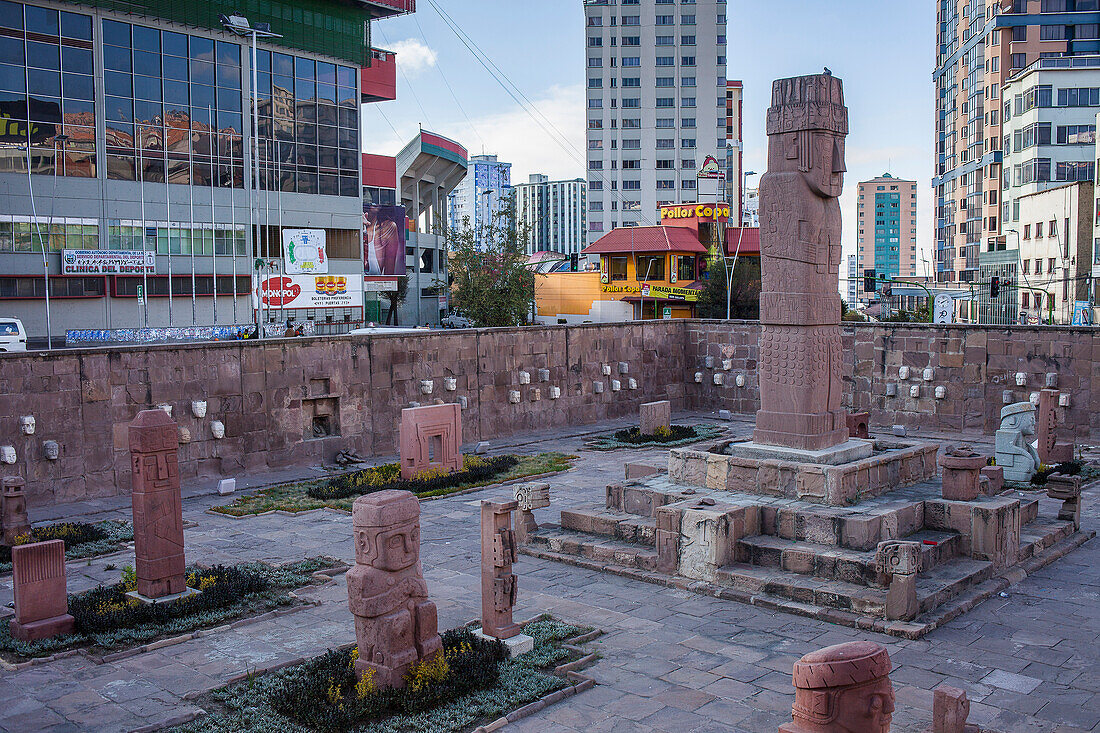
x=749, y=237
x=646, y=239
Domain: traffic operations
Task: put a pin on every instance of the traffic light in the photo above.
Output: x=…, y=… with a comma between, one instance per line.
x=994, y=287
x=574, y=262
x=868, y=281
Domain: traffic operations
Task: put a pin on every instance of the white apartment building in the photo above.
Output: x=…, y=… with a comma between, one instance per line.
x=552, y=213
x=854, y=281
x=657, y=105
x=1049, y=114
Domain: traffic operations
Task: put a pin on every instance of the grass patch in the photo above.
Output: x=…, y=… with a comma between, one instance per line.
x=107, y=620
x=474, y=684
x=81, y=539
x=340, y=492
x=672, y=436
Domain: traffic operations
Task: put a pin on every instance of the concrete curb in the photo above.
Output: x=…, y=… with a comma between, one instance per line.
x=904, y=629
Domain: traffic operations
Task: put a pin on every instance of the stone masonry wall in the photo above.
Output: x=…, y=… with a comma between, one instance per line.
x=266, y=393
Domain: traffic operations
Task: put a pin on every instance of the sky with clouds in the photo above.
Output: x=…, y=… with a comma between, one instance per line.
x=884, y=52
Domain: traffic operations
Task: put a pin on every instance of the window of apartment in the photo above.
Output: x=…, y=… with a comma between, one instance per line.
x=632, y=144
x=1027, y=267
x=632, y=185
x=1027, y=231
x=1086, y=31
x=1038, y=230
x=1038, y=96
x=1052, y=33
x=631, y=61
x=632, y=123
x=1052, y=265
x=595, y=104
x=595, y=144
x=1052, y=229
x=666, y=102
x=630, y=205
x=665, y=122
x=665, y=41
x=1074, y=171
x=720, y=19
x=666, y=61
x=631, y=102
x=665, y=164
x=618, y=267
x=628, y=20
x=665, y=143
x=687, y=40
x=687, y=102
x=666, y=81
x=687, y=143
x=595, y=205
x=595, y=63
x=688, y=184
x=651, y=267
x=685, y=268
x=595, y=165
x=1019, y=33
x=595, y=41
x=1019, y=60
x=664, y=184
x=687, y=20
x=595, y=185
x=595, y=226
x=687, y=81
x=631, y=41
x=595, y=124
x=595, y=83
x=1079, y=97
x=595, y=22
x=632, y=81
x=631, y=164
x=1076, y=134
x=687, y=61
x=688, y=122
x=1038, y=266
x=665, y=20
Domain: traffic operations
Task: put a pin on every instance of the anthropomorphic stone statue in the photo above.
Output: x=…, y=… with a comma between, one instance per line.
x=157, y=505
x=800, y=361
x=1014, y=451
x=395, y=623
x=842, y=689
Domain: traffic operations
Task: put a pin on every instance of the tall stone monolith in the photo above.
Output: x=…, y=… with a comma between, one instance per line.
x=157, y=505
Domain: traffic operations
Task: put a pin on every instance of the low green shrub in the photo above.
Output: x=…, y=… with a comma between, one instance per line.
x=1069, y=468
x=388, y=476
x=669, y=435
x=81, y=539
x=326, y=694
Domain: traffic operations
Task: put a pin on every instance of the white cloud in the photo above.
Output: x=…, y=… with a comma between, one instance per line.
x=413, y=56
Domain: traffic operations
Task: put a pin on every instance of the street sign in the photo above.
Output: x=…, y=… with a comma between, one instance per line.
x=141, y=294
x=1082, y=313
x=666, y=313
x=943, y=309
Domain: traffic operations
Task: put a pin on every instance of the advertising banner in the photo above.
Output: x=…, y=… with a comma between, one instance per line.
x=304, y=252
x=309, y=291
x=383, y=240
x=379, y=286
x=710, y=168
x=108, y=262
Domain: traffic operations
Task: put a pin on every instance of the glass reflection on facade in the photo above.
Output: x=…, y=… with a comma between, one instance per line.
x=47, y=91
x=172, y=100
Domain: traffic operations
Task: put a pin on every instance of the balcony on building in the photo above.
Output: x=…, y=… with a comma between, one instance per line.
x=388, y=8
x=378, y=82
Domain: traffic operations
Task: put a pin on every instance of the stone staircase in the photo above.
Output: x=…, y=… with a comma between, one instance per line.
x=792, y=555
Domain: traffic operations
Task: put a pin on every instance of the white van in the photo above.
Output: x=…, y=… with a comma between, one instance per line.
x=13, y=337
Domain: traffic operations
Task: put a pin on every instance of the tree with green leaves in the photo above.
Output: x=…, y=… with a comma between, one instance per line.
x=490, y=281
x=745, y=300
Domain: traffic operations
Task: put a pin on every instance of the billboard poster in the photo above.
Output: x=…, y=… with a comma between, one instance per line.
x=108, y=262
x=309, y=291
x=710, y=168
x=304, y=252
x=384, y=240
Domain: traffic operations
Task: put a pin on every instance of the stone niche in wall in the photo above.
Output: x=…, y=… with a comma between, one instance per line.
x=320, y=411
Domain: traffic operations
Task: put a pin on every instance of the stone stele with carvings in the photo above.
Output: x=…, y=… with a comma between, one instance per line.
x=157, y=505
x=395, y=623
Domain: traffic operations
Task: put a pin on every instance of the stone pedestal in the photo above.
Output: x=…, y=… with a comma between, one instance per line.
x=395, y=623
x=1068, y=490
x=848, y=451
x=899, y=562
x=13, y=511
x=857, y=424
x=962, y=470
x=41, y=603
x=157, y=505
x=498, y=584
x=429, y=437
x=654, y=415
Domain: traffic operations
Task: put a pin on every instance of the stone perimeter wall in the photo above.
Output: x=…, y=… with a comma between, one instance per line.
x=266, y=393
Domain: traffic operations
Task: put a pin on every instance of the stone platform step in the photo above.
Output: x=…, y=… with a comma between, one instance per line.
x=1041, y=534
x=933, y=588
x=601, y=549
x=843, y=526
x=621, y=526
x=830, y=562
x=1029, y=510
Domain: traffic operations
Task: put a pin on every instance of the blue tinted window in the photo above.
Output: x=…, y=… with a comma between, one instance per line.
x=42, y=20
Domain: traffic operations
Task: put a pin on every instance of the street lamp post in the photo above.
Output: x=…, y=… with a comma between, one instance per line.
x=43, y=243
x=240, y=26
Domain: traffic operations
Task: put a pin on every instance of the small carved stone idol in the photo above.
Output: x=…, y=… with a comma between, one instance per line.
x=842, y=689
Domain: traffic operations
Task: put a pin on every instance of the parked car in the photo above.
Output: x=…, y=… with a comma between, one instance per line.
x=13, y=337
x=456, y=320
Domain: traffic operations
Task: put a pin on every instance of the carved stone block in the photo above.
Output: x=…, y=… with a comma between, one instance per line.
x=41, y=603
x=429, y=437
x=157, y=505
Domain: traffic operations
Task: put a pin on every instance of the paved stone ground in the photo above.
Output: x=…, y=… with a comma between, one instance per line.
x=671, y=661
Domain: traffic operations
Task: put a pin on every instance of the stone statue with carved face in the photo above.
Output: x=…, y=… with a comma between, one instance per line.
x=800, y=228
x=1014, y=452
x=395, y=623
x=842, y=689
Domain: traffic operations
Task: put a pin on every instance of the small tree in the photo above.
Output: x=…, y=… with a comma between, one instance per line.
x=744, y=302
x=490, y=281
x=396, y=298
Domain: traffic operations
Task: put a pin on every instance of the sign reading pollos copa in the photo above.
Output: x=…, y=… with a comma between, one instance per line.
x=696, y=211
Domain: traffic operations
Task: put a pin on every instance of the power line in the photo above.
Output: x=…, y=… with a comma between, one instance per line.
x=407, y=83
x=529, y=107
x=454, y=96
